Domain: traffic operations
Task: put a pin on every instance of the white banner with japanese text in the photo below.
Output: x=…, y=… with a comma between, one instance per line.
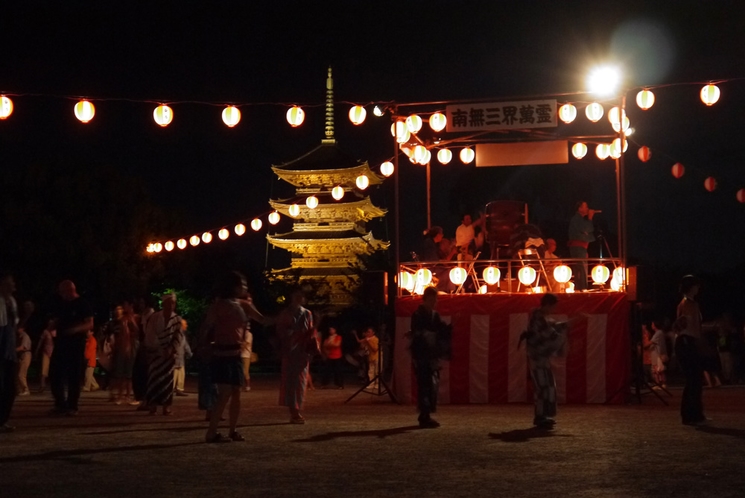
x=501, y=115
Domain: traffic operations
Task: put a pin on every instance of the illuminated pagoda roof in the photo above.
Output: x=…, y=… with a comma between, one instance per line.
x=328, y=209
x=341, y=242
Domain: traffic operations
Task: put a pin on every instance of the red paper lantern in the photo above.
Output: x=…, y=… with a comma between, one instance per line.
x=644, y=154
x=741, y=195
x=710, y=184
x=678, y=170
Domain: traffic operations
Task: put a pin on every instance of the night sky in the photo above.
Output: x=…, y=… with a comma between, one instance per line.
x=271, y=54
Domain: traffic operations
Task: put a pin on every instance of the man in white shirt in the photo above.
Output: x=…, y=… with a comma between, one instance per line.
x=465, y=237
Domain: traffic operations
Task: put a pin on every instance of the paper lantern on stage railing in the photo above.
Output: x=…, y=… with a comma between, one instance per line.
x=240, y=229
x=678, y=170
x=256, y=224
x=311, y=202
x=602, y=151
x=181, y=244
x=741, y=196
x=483, y=289
x=619, y=274
x=295, y=116
x=337, y=192
x=294, y=209
x=644, y=154
x=84, y=111
x=458, y=275
x=594, y=112
x=406, y=281
x=6, y=107
x=467, y=155
x=273, y=217
x=438, y=122
x=206, y=237
x=423, y=276
x=357, y=115
x=615, y=285
x=444, y=156
x=491, y=275
x=194, y=240
x=526, y=275
x=231, y=116
x=710, y=94
x=562, y=274
x=362, y=182
x=710, y=184
x=163, y=115
x=645, y=99
x=386, y=169
x=579, y=150
x=414, y=124
x=223, y=234
x=567, y=113
x=600, y=274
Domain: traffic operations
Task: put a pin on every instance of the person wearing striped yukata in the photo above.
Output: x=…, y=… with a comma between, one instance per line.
x=543, y=339
x=163, y=332
x=296, y=331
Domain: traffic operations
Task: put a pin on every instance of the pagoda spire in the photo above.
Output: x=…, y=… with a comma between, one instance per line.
x=329, y=110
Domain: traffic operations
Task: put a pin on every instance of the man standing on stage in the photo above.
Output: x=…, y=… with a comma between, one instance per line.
x=465, y=237
x=581, y=233
x=427, y=333
x=74, y=320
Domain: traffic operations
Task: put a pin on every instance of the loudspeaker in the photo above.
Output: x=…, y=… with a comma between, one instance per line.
x=640, y=285
x=374, y=289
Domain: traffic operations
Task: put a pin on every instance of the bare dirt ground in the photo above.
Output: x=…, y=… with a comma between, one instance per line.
x=372, y=447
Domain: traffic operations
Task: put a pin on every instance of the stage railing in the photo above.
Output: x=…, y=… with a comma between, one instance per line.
x=529, y=275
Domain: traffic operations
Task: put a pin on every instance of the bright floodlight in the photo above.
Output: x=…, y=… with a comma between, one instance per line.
x=604, y=80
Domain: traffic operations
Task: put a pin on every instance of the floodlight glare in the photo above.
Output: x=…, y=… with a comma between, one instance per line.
x=604, y=80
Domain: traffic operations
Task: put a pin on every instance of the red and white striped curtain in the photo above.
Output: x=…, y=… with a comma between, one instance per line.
x=487, y=367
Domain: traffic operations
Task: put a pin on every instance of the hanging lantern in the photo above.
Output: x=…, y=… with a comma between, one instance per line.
x=337, y=192
x=181, y=244
x=157, y=247
x=256, y=224
x=6, y=107
x=194, y=240
x=438, y=121
x=710, y=94
x=678, y=170
x=444, y=156
x=311, y=202
x=163, y=115
x=84, y=111
x=406, y=281
x=562, y=274
x=483, y=289
x=420, y=154
x=491, y=275
x=526, y=275
x=295, y=116
x=600, y=274
x=362, y=182
x=273, y=217
x=602, y=151
x=206, y=237
x=401, y=132
x=710, y=184
x=567, y=113
x=741, y=196
x=644, y=154
x=169, y=246
x=423, y=276
x=223, y=233
x=149, y=248
x=615, y=115
x=294, y=210
x=458, y=275
x=579, y=150
x=626, y=123
x=467, y=155
x=386, y=169
x=414, y=124
x=357, y=115
x=240, y=229
x=645, y=99
x=615, y=148
x=594, y=112
x=378, y=111
x=231, y=116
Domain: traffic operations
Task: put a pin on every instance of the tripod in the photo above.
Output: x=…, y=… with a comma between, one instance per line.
x=379, y=385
